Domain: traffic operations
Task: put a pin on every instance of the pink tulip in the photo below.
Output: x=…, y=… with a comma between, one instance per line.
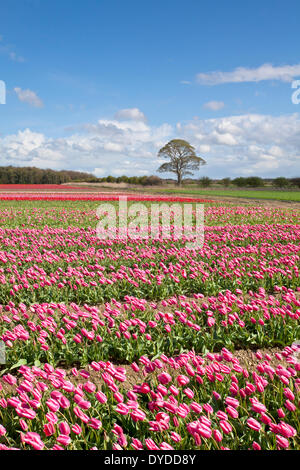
x=217, y=435
x=182, y=380
x=95, y=423
x=63, y=440
x=256, y=446
x=196, y=407
x=289, y=394
x=166, y=446
x=286, y=430
x=33, y=439
x=64, y=428
x=289, y=405
x=53, y=405
x=49, y=429
x=136, y=444
x=225, y=426
x=282, y=442
x=232, y=412
x=253, y=424
x=175, y=436
x=164, y=378
x=76, y=429
x=258, y=407
x=89, y=387
x=232, y=402
x=101, y=397
x=150, y=444
x=23, y=425
x=265, y=419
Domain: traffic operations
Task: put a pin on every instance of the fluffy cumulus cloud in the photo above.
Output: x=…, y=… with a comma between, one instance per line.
x=249, y=144
x=29, y=97
x=109, y=146
x=21, y=147
x=284, y=73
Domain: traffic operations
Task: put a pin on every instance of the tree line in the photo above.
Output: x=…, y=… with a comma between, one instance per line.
x=33, y=175
x=241, y=182
x=256, y=182
x=142, y=180
x=249, y=182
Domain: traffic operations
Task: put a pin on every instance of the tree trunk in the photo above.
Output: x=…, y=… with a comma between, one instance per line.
x=179, y=180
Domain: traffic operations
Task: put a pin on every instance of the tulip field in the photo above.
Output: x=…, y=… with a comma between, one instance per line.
x=146, y=344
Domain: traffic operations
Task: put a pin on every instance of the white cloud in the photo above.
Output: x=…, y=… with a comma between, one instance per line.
x=223, y=138
x=233, y=145
x=247, y=144
x=20, y=147
x=29, y=97
x=284, y=73
x=214, y=105
x=99, y=172
x=107, y=147
x=204, y=148
x=130, y=114
x=113, y=147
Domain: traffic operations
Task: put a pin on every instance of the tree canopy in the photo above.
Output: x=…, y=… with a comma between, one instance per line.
x=33, y=175
x=182, y=158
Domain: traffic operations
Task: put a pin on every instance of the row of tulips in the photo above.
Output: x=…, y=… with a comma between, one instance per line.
x=36, y=187
x=56, y=333
x=163, y=307
x=83, y=214
x=91, y=196
x=186, y=402
x=74, y=265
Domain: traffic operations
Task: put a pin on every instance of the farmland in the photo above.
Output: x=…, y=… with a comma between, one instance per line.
x=263, y=194
x=145, y=343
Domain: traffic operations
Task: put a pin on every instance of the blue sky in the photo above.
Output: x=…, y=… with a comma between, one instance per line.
x=100, y=85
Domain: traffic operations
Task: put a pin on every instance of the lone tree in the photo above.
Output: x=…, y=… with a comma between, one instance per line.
x=183, y=159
